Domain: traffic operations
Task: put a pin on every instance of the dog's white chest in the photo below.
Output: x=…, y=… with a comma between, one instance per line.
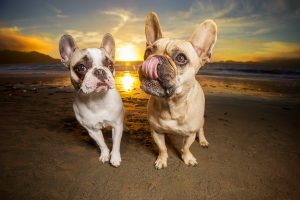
x=97, y=112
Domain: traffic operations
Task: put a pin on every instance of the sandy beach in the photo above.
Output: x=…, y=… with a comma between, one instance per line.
x=252, y=127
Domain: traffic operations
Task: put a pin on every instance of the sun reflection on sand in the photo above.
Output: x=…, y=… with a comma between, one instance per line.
x=127, y=81
x=128, y=84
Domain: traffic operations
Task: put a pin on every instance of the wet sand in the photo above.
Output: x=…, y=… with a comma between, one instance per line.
x=253, y=130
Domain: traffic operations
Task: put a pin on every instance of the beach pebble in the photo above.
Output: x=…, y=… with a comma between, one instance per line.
x=151, y=187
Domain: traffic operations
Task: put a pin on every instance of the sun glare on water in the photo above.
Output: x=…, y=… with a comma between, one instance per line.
x=127, y=81
x=126, y=53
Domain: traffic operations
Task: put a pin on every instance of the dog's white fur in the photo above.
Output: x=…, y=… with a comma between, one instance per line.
x=183, y=112
x=99, y=110
x=96, y=109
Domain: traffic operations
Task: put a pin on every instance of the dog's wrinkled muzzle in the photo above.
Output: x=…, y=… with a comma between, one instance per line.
x=157, y=77
x=149, y=68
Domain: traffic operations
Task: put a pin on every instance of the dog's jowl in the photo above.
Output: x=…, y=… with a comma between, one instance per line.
x=97, y=103
x=176, y=105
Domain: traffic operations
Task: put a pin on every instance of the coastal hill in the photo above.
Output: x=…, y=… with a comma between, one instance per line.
x=19, y=57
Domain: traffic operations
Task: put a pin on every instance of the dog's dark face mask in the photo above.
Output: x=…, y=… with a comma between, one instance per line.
x=157, y=76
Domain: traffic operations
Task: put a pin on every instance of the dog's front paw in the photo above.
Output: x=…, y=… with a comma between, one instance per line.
x=189, y=159
x=115, y=159
x=203, y=142
x=104, y=156
x=161, y=162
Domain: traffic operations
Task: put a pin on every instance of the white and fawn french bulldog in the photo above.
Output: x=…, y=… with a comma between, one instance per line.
x=176, y=104
x=97, y=103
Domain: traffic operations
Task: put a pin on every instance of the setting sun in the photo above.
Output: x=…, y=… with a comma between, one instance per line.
x=126, y=53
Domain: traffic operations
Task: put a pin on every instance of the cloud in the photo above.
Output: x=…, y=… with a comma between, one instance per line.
x=59, y=13
x=123, y=16
x=235, y=16
x=277, y=49
x=124, y=25
x=128, y=29
x=262, y=31
x=11, y=38
x=86, y=39
x=254, y=50
x=199, y=8
x=61, y=16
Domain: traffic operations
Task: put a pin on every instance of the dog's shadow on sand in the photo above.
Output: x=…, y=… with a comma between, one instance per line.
x=71, y=126
x=140, y=136
x=143, y=137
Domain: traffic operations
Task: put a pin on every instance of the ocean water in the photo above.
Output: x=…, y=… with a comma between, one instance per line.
x=211, y=69
x=251, y=71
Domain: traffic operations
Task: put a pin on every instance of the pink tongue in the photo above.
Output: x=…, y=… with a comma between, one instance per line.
x=149, y=68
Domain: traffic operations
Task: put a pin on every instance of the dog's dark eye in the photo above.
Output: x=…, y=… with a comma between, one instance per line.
x=111, y=68
x=180, y=59
x=80, y=68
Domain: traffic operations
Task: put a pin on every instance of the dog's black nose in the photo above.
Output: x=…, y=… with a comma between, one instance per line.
x=100, y=74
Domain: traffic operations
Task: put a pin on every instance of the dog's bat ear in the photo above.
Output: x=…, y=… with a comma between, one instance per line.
x=67, y=47
x=108, y=43
x=152, y=28
x=204, y=38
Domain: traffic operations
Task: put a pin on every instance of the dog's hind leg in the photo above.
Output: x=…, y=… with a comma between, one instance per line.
x=99, y=139
x=159, y=139
x=202, y=140
x=186, y=155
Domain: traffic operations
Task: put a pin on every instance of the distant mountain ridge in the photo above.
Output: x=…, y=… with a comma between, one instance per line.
x=19, y=57
x=279, y=62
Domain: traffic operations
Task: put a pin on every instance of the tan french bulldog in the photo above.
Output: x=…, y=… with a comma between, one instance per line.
x=176, y=105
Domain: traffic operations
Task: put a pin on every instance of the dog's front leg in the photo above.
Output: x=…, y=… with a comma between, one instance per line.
x=186, y=155
x=99, y=139
x=159, y=139
x=117, y=132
